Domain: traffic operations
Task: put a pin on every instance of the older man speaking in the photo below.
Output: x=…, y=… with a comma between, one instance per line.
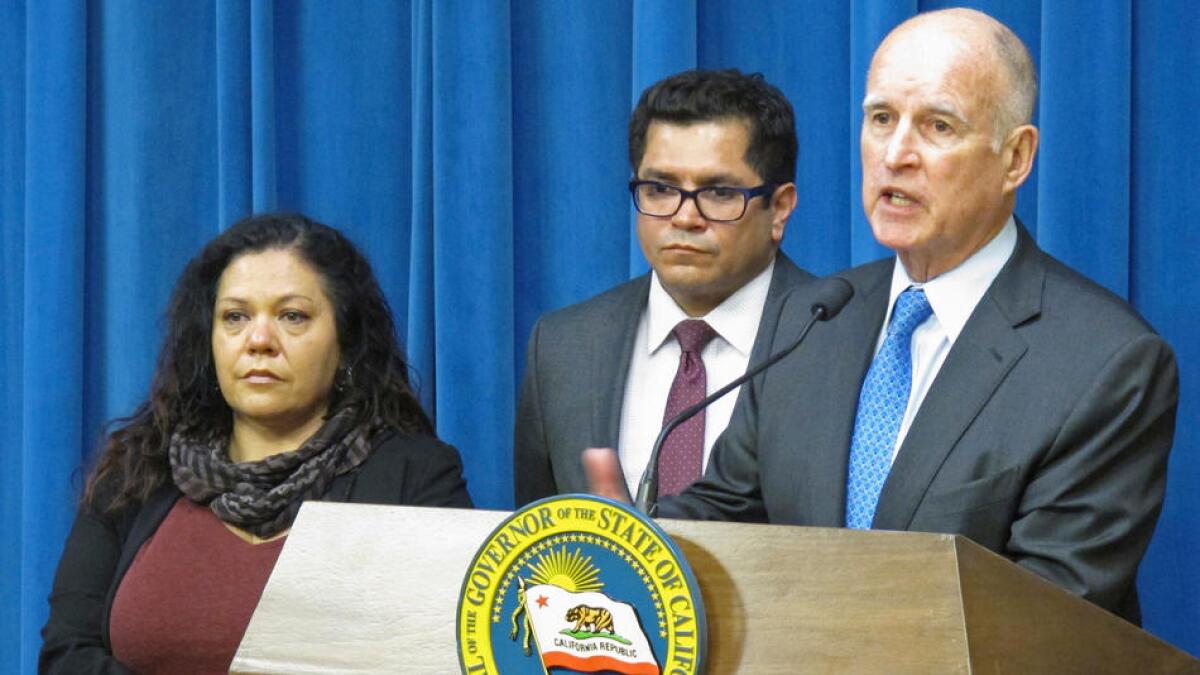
x=974, y=385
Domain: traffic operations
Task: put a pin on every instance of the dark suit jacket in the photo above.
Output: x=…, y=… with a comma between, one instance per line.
x=1044, y=436
x=402, y=469
x=575, y=370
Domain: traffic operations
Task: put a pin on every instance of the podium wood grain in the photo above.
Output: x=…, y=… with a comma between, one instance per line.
x=374, y=589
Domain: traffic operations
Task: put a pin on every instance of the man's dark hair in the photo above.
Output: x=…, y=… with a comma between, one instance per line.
x=715, y=95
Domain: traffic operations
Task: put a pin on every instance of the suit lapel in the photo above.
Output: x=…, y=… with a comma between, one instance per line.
x=783, y=280
x=986, y=350
x=611, y=351
x=819, y=425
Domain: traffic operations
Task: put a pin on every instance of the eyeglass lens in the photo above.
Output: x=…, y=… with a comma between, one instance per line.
x=715, y=203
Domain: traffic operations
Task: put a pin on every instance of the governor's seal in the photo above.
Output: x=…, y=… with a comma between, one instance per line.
x=580, y=584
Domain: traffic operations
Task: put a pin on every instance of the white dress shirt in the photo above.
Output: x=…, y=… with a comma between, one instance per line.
x=953, y=296
x=656, y=358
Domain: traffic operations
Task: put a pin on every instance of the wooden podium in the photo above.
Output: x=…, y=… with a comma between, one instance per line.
x=374, y=589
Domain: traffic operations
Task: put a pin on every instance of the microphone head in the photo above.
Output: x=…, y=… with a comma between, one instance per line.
x=832, y=295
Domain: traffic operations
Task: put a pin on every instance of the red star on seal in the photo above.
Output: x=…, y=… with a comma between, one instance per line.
x=542, y=600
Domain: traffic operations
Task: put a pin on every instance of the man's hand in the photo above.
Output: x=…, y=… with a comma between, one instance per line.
x=604, y=475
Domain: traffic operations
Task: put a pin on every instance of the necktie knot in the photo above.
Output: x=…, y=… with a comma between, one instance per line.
x=912, y=308
x=693, y=335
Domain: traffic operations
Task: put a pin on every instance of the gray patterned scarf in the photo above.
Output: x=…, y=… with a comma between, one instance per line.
x=263, y=497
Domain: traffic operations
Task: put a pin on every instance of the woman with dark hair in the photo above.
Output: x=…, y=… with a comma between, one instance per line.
x=280, y=380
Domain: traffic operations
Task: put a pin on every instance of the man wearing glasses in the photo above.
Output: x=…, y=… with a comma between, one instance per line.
x=714, y=158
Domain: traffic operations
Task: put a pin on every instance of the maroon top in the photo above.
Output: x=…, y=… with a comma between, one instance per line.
x=188, y=595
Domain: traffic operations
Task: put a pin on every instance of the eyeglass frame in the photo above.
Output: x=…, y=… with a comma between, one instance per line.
x=684, y=195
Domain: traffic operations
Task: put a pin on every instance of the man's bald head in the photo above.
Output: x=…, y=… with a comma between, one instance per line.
x=1004, y=60
x=945, y=141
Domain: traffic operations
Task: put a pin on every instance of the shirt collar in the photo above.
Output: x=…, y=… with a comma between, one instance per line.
x=954, y=294
x=735, y=320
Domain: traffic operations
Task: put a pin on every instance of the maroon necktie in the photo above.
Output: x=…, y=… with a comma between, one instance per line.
x=682, y=455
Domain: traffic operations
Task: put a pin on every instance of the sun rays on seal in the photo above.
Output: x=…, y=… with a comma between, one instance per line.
x=570, y=571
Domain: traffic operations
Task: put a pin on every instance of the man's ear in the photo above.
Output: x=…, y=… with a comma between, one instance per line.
x=783, y=202
x=1018, y=152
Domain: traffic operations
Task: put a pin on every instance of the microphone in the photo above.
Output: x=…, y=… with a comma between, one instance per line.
x=831, y=296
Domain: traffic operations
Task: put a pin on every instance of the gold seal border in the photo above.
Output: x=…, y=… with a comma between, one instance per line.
x=639, y=541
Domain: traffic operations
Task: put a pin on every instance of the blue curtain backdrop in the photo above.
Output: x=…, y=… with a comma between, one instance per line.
x=476, y=151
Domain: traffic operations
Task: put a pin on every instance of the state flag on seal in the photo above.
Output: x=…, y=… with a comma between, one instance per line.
x=588, y=632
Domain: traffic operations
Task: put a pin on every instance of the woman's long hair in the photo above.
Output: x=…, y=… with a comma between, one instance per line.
x=184, y=394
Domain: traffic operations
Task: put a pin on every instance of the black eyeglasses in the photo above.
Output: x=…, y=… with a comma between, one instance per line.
x=718, y=203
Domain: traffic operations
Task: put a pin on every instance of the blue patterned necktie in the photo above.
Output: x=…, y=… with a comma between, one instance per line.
x=881, y=406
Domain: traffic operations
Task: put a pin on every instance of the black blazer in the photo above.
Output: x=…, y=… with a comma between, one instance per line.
x=574, y=384
x=402, y=469
x=1044, y=436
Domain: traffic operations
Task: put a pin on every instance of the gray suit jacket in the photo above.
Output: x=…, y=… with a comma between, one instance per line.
x=1044, y=437
x=574, y=384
